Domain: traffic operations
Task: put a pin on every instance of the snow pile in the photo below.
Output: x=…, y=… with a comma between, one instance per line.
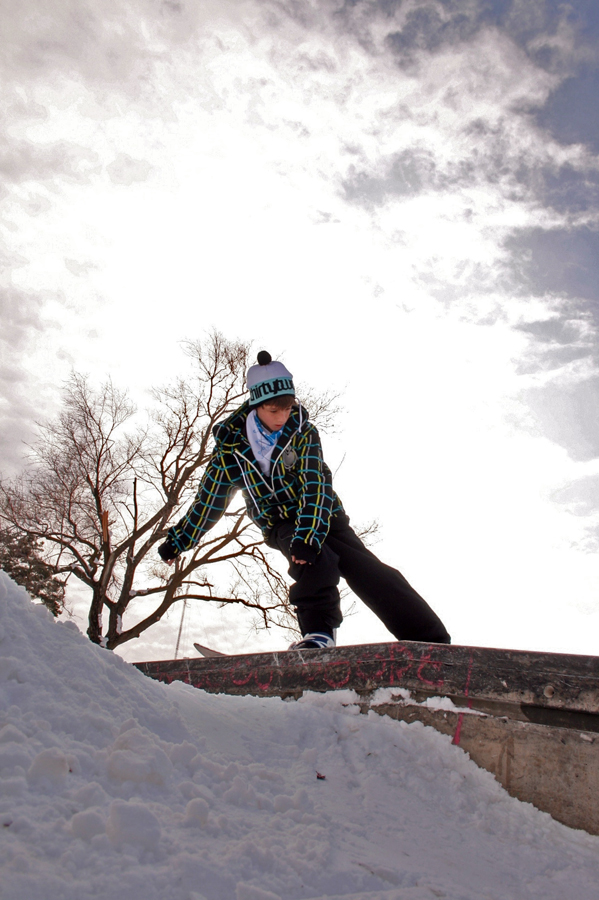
x=114, y=786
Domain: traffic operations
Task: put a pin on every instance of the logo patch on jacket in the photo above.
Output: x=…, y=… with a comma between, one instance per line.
x=289, y=458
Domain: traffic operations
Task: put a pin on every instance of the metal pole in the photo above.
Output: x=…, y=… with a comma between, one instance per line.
x=180, y=629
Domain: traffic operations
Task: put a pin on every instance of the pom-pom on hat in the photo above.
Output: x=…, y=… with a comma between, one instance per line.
x=268, y=380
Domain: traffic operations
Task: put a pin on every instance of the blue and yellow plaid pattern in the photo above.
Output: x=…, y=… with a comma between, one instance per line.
x=301, y=491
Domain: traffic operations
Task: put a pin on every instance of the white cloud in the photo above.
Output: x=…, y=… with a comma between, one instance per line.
x=297, y=174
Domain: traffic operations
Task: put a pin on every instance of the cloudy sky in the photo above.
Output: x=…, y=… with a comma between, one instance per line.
x=399, y=198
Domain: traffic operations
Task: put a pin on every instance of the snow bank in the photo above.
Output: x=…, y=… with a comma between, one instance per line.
x=113, y=786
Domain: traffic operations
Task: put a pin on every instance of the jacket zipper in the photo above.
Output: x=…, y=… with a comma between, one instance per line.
x=271, y=486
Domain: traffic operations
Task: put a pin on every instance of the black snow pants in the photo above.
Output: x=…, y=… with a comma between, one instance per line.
x=315, y=595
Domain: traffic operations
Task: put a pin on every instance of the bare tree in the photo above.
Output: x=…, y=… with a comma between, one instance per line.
x=102, y=487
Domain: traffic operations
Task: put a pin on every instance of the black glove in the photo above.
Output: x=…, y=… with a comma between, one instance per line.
x=303, y=551
x=168, y=551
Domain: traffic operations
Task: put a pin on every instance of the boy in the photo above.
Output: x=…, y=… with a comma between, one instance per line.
x=269, y=450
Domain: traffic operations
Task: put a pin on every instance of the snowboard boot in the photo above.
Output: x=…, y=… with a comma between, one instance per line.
x=317, y=640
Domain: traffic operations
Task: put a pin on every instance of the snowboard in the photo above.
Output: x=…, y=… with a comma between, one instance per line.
x=207, y=652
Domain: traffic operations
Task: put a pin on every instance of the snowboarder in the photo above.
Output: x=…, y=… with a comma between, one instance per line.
x=270, y=450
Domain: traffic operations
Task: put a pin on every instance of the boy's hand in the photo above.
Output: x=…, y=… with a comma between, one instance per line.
x=168, y=552
x=302, y=554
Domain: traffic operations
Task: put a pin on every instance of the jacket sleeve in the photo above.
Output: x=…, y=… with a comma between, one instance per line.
x=315, y=493
x=214, y=493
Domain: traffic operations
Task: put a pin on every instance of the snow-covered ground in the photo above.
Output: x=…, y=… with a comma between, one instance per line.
x=113, y=786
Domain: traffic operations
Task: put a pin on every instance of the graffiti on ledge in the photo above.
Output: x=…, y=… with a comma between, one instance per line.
x=290, y=671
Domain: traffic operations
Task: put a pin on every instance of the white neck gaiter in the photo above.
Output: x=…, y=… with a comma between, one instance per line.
x=261, y=441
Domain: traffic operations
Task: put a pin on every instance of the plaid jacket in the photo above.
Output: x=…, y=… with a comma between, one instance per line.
x=299, y=486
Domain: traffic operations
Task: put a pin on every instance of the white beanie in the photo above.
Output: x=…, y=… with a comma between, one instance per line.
x=268, y=380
